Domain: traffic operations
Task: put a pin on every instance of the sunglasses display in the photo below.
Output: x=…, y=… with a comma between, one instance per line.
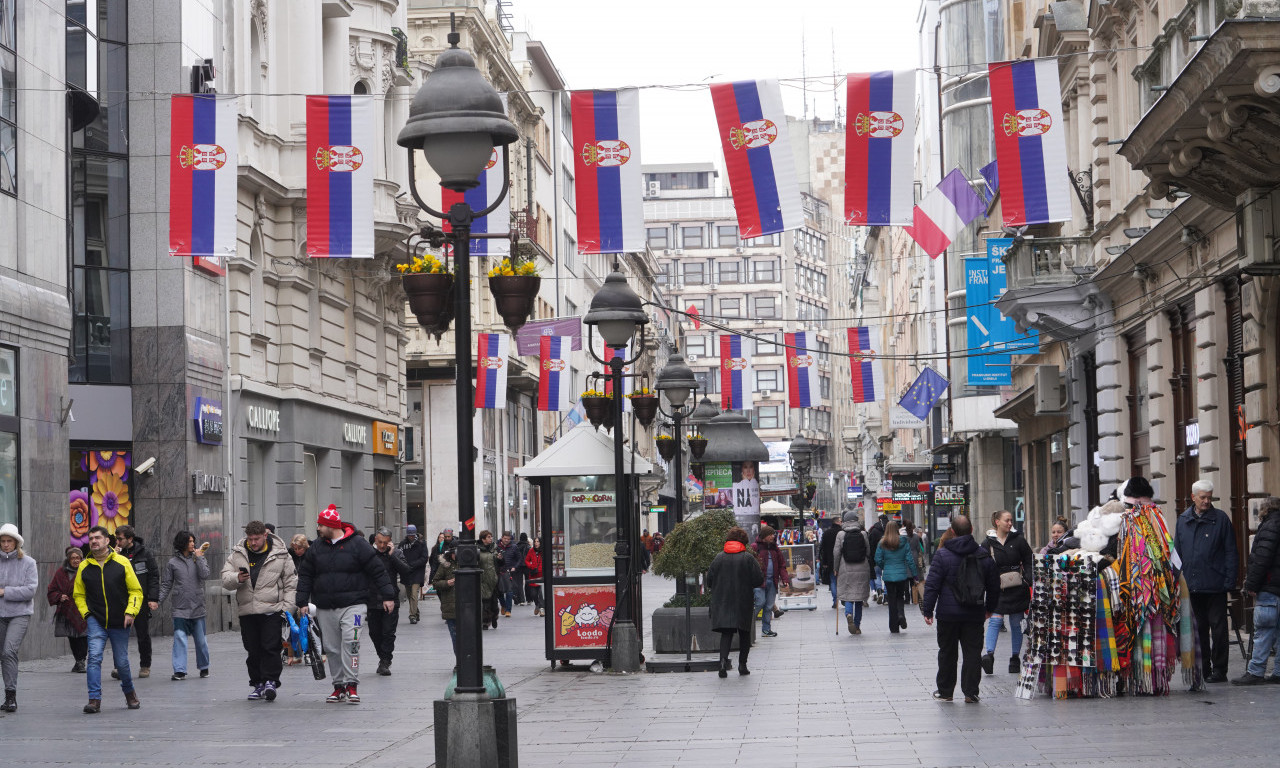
x=1061, y=627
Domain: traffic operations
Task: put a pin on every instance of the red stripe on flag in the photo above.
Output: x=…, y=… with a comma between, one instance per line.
x=737, y=164
x=726, y=373
x=1008, y=153
x=544, y=376
x=587, y=193
x=856, y=150
x=181, y=133
x=482, y=378
x=793, y=372
x=317, y=178
x=931, y=240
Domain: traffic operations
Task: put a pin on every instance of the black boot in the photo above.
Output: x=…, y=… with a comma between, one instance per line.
x=10, y=701
x=724, y=667
x=742, y=657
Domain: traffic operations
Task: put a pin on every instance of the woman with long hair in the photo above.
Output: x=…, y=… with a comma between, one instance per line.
x=533, y=566
x=1013, y=558
x=896, y=561
x=733, y=578
x=67, y=621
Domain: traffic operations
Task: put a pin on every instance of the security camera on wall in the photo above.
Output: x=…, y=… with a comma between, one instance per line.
x=147, y=467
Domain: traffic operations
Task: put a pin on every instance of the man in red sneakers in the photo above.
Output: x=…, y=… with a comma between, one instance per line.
x=337, y=573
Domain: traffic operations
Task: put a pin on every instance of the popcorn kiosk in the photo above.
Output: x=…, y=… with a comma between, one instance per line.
x=579, y=531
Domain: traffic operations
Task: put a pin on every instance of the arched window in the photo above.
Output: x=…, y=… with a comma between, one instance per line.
x=361, y=89
x=257, y=74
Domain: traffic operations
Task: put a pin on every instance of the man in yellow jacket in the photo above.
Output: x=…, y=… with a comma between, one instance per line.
x=108, y=596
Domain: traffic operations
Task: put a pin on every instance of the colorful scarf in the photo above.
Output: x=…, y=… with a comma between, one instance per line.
x=1105, y=655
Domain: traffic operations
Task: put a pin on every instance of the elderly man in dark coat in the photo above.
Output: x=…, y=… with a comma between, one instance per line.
x=732, y=579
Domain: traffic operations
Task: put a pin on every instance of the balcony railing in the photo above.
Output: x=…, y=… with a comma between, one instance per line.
x=1036, y=262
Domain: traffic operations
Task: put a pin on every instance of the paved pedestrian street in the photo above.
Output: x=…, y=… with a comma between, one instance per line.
x=813, y=699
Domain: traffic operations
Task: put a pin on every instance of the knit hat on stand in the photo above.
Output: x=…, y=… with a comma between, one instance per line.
x=329, y=517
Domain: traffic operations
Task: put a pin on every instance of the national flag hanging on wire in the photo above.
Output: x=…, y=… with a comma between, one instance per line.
x=607, y=179
x=1030, y=139
x=868, y=377
x=880, y=148
x=735, y=374
x=554, y=377
x=492, y=350
x=924, y=393
x=202, y=176
x=340, y=154
x=944, y=213
x=609, y=354
x=481, y=197
x=693, y=315
x=757, y=156
x=803, y=381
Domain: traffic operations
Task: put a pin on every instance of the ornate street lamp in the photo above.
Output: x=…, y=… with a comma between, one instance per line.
x=617, y=311
x=676, y=383
x=456, y=119
x=801, y=453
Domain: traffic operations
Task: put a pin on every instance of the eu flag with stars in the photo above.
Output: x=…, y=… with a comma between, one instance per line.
x=924, y=393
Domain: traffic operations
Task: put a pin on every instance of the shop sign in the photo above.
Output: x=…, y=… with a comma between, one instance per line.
x=208, y=421
x=887, y=505
x=906, y=488
x=355, y=434
x=8, y=383
x=202, y=483
x=581, y=615
x=262, y=418
x=1192, y=434
x=659, y=510
x=901, y=418
x=949, y=495
x=592, y=498
x=386, y=439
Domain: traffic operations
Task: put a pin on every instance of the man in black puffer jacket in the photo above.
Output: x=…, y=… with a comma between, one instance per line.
x=959, y=624
x=337, y=573
x=416, y=553
x=144, y=566
x=826, y=555
x=1262, y=581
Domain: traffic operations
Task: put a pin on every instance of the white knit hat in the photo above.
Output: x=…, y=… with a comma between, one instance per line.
x=9, y=529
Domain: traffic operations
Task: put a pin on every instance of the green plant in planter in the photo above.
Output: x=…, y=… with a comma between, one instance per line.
x=693, y=544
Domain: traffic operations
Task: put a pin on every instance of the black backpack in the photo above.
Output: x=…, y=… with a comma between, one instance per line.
x=970, y=583
x=854, y=547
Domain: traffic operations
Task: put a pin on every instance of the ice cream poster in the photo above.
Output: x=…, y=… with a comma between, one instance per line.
x=581, y=615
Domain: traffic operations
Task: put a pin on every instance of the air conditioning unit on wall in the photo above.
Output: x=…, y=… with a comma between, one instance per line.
x=1051, y=391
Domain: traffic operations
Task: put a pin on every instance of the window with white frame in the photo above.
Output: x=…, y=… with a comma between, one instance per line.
x=692, y=237
x=727, y=235
x=766, y=417
x=695, y=345
x=764, y=271
x=731, y=307
x=767, y=344
x=657, y=237
x=730, y=272
x=764, y=306
x=768, y=379
x=695, y=272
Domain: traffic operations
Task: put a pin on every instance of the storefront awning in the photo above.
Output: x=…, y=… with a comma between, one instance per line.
x=582, y=451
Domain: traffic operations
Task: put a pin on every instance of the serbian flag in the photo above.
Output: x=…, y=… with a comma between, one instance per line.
x=802, y=372
x=491, y=369
x=480, y=198
x=610, y=354
x=944, y=213
x=202, y=176
x=340, y=154
x=735, y=374
x=868, y=378
x=757, y=156
x=606, y=159
x=879, y=148
x=1031, y=144
x=554, y=383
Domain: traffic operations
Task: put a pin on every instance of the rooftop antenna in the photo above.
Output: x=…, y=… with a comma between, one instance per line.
x=835, y=79
x=804, y=76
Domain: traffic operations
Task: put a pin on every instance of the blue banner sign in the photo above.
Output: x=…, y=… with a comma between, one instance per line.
x=992, y=338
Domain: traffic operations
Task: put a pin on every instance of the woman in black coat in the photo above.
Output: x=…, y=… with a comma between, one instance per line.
x=1013, y=558
x=732, y=579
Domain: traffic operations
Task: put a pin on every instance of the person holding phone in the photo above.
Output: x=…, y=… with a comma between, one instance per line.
x=183, y=579
x=261, y=573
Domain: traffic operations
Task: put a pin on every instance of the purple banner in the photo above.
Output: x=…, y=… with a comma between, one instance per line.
x=527, y=338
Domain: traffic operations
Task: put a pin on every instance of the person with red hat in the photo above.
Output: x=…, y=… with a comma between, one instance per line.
x=337, y=574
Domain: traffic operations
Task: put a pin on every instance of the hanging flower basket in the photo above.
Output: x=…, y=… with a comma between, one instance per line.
x=810, y=489
x=514, y=297
x=645, y=408
x=597, y=407
x=697, y=446
x=666, y=447
x=431, y=299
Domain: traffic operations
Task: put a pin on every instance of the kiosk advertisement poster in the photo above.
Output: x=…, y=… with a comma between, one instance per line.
x=582, y=615
x=746, y=495
x=717, y=485
x=802, y=573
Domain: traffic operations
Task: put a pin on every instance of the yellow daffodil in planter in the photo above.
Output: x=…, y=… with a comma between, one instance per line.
x=644, y=403
x=428, y=284
x=667, y=446
x=514, y=283
x=598, y=406
x=697, y=445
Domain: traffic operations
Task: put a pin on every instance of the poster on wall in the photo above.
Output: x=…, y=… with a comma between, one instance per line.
x=581, y=615
x=746, y=496
x=717, y=485
x=99, y=493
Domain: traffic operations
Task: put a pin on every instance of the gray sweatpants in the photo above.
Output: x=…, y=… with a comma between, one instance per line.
x=341, y=628
x=12, y=630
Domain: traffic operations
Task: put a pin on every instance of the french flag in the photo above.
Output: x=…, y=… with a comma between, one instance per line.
x=340, y=153
x=944, y=213
x=868, y=378
x=735, y=374
x=492, y=350
x=1031, y=144
x=555, y=380
x=757, y=156
x=202, y=176
x=879, y=148
x=802, y=372
x=608, y=183
x=479, y=198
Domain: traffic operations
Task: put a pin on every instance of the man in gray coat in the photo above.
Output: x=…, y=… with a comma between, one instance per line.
x=852, y=565
x=183, y=579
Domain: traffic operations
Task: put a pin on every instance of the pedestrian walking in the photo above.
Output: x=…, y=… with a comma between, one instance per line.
x=337, y=573
x=489, y=580
x=533, y=564
x=962, y=588
x=444, y=541
x=107, y=595
x=67, y=621
x=646, y=550
x=774, y=567
x=18, y=584
x=443, y=583
x=520, y=574
x=1262, y=583
x=144, y=567
x=1206, y=543
x=921, y=557
x=826, y=561
x=853, y=569
x=383, y=621
x=733, y=578
x=874, y=535
x=1013, y=561
x=298, y=547
x=183, y=579
x=895, y=560
x=414, y=550
x=508, y=559
x=260, y=571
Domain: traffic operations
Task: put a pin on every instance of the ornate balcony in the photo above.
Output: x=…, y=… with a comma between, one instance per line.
x=1045, y=289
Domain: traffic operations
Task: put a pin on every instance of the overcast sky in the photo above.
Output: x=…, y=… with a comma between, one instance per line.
x=618, y=43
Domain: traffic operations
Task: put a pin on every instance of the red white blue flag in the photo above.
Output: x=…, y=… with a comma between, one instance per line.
x=340, y=152
x=607, y=178
x=757, y=156
x=202, y=176
x=735, y=374
x=608, y=355
x=944, y=213
x=802, y=371
x=492, y=350
x=555, y=379
x=1031, y=144
x=879, y=146
x=868, y=378
x=480, y=198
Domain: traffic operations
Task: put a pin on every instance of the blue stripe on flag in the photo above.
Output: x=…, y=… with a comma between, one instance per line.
x=478, y=199
x=803, y=376
x=1035, y=193
x=204, y=129
x=608, y=180
x=880, y=151
x=340, y=212
x=868, y=381
x=735, y=351
x=763, y=177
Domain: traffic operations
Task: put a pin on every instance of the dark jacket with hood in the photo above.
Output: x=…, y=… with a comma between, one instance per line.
x=148, y=573
x=398, y=570
x=939, y=598
x=416, y=554
x=1013, y=555
x=1263, y=572
x=337, y=574
x=1206, y=545
x=445, y=590
x=732, y=579
x=826, y=550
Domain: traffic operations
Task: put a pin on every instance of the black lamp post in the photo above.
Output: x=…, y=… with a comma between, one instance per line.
x=617, y=310
x=456, y=119
x=676, y=382
x=801, y=453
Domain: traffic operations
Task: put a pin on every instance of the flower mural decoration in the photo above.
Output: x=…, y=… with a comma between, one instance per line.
x=114, y=462
x=83, y=517
x=111, y=501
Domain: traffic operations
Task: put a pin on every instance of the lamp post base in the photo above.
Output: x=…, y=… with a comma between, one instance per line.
x=475, y=731
x=626, y=647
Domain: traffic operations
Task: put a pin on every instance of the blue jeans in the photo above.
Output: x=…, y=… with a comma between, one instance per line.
x=854, y=608
x=98, y=637
x=195, y=629
x=993, y=633
x=764, y=602
x=505, y=599
x=1265, y=620
x=877, y=581
x=833, y=589
x=452, y=624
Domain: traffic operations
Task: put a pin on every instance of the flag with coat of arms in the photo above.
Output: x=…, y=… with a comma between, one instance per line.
x=757, y=156
x=339, y=157
x=610, y=354
x=554, y=377
x=608, y=185
x=1030, y=141
x=735, y=374
x=924, y=393
x=202, y=176
x=492, y=350
x=879, y=148
x=864, y=368
x=803, y=382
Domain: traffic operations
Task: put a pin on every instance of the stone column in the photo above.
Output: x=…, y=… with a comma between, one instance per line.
x=1113, y=411
x=1078, y=456
x=1160, y=410
x=1258, y=302
x=1211, y=389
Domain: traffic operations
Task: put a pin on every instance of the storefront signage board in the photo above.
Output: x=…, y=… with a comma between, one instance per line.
x=581, y=615
x=208, y=420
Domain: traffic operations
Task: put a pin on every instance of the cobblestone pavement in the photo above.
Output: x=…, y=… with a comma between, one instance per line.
x=814, y=699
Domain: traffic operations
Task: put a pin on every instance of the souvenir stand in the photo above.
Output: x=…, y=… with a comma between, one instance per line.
x=575, y=477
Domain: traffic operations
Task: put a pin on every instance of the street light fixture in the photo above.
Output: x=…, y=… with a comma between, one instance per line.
x=616, y=311
x=456, y=119
x=801, y=453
